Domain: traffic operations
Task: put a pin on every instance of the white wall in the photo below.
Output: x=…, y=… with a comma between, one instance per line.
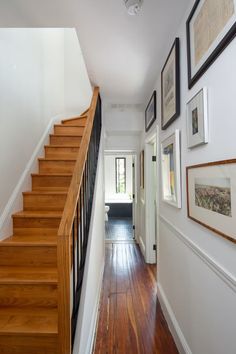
x=77, y=83
x=197, y=268
x=123, y=125
x=110, y=178
x=94, y=266
x=37, y=84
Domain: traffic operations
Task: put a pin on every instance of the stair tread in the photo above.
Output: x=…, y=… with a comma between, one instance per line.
x=61, y=146
x=28, y=275
x=69, y=126
x=56, y=159
x=52, y=174
x=38, y=213
x=27, y=240
x=67, y=135
x=37, y=321
x=45, y=192
x=62, y=189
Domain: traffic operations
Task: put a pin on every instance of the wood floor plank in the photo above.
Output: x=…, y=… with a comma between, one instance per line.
x=131, y=319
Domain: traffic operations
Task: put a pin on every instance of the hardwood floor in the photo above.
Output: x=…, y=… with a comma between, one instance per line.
x=120, y=229
x=130, y=320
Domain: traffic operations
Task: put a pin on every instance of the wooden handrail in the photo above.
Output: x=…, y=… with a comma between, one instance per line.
x=74, y=189
x=64, y=232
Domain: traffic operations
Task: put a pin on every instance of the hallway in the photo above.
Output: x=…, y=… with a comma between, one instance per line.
x=131, y=320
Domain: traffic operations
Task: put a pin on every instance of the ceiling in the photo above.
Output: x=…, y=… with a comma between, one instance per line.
x=123, y=53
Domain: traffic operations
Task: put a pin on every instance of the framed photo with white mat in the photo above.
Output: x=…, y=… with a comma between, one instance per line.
x=197, y=119
x=170, y=168
x=211, y=196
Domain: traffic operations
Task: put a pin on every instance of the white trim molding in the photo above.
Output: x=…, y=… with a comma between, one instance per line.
x=220, y=271
x=174, y=327
x=142, y=246
x=95, y=317
x=151, y=217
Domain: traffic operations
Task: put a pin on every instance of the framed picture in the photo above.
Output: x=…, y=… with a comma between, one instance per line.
x=142, y=169
x=210, y=28
x=170, y=166
x=170, y=87
x=211, y=196
x=150, y=112
x=197, y=119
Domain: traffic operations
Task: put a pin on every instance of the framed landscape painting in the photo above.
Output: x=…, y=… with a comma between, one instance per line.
x=170, y=168
x=210, y=28
x=150, y=112
x=197, y=119
x=170, y=87
x=211, y=196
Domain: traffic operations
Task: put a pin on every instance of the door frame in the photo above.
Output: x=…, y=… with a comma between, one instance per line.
x=135, y=191
x=152, y=237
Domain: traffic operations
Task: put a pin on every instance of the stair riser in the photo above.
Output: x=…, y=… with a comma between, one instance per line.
x=24, y=295
x=44, y=202
x=61, y=152
x=65, y=140
x=79, y=122
x=68, y=130
x=28, y=256
x=28, y=344
x=56, y=166
x=50, y=183
x=25, y=222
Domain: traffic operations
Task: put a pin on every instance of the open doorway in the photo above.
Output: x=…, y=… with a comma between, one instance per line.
x=119, y=196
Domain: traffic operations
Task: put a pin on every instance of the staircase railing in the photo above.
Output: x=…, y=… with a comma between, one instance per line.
x=74, y=228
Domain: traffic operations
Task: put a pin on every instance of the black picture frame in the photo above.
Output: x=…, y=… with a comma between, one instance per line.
x=175, y=51
x=150, y=112
x=228, y=37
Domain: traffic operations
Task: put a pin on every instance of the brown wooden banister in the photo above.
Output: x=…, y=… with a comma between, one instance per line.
x=75, y=213
x=73, y=193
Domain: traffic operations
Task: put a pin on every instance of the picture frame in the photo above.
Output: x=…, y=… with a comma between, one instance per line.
x=150, y=112
x=170, y=167
x=170, y=86
x=142, y=169
x=210, y=27
x=211, y=196
x=197, y=119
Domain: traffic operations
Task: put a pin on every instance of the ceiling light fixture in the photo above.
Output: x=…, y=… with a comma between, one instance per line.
x=133, y=6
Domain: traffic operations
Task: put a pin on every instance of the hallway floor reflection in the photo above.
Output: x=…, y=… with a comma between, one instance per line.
x=120, y=229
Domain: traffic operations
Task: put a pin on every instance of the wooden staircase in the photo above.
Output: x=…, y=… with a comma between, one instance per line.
x=28, y=258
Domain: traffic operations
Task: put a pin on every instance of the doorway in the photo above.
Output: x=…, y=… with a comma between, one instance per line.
x=151, y=197
x=119, y=196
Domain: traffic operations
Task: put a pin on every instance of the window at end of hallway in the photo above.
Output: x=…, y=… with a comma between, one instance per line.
x=120, y=175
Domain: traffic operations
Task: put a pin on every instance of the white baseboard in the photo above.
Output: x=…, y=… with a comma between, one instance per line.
x=174, y=327
x=15, y=201
x=95, y=317
x=142, y=246
x=93, y=323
